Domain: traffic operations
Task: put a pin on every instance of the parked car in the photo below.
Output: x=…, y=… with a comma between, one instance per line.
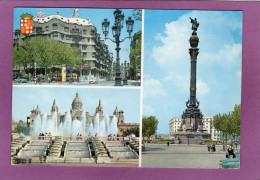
x=21, y=80
x=230, y=163
x=92, y=82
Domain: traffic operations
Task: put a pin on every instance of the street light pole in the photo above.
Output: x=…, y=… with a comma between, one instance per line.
x=125, y=76
x=116, y=30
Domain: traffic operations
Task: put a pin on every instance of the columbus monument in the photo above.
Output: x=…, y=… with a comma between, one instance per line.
x=191, y=129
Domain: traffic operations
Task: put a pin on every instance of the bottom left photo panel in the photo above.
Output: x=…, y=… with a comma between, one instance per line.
x=75, y=126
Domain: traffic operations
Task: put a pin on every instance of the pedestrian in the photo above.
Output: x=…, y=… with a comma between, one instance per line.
x=49, y=79
x=168, y=144
x=213, y=148
x=209, y=147
x=230, y=152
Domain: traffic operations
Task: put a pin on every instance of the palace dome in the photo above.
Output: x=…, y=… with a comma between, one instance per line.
x=76, y=103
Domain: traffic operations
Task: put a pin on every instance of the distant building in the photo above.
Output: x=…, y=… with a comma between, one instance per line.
x=75, y=32
x=175, y=124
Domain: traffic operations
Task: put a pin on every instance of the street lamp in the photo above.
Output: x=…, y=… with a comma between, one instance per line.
x=116, y=31
x=125, y=77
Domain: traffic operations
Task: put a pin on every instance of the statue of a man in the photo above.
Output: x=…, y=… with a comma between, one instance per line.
x=195, y=24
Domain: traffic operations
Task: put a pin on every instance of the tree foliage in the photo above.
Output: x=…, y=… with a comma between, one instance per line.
x=229, y=123
x=135, y=58
x=149, y=126
x=137, y=14
x=130, y=131
x=22, y=129
x=45, y=53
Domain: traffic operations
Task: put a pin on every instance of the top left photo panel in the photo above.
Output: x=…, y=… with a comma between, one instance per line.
x=77, y=47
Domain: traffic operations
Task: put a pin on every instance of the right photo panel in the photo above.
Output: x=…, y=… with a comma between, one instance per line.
x=192, y=89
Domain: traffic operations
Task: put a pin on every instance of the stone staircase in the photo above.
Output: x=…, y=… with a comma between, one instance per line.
x=16, y=144
x=100, y=150
x=55, y=149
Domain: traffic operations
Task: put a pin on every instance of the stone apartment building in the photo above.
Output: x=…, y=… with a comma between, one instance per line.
x=75, y=32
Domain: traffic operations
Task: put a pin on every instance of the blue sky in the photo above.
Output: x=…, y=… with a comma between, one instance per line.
x=25, y=98
x=167, y=62
x=96, y=16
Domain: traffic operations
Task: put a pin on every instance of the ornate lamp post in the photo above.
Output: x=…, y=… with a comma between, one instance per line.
x=125, y=77
x=116, y=30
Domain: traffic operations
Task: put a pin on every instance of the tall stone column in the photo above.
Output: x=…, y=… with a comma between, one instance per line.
x=192, y=117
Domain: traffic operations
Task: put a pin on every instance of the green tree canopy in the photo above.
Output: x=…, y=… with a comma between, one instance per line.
x=47, y=53
x=22, y=129
x=229, y=123
x=149, y=126
x=130, y=131
x=137, y=14
x=135, y=58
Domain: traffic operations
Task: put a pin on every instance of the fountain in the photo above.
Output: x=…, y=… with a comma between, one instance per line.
x=101, y=126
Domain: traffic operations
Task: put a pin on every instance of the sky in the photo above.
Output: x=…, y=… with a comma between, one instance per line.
x=167, y=62
x=96, y=16
x=26, y=98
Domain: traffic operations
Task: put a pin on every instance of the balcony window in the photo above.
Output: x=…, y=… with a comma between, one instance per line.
x=55, y=35
x=84, y=32
x=66, y=29
x=55, y=26
x=84, y=47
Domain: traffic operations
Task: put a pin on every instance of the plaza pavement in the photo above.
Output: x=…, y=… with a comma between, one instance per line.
x=181, y=156
x=131, y=83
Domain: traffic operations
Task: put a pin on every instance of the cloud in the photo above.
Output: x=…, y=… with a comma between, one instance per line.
x=218, y=48
x=153, y=88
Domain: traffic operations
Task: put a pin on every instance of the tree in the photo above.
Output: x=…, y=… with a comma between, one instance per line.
x=21, y=58
x=22, y=129
x=135, y=58
x=149, y=126
x=229, y=123
x=137, y=14
x=130, y=131
x=50, y=52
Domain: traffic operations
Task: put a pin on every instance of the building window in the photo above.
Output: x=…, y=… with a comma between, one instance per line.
x=55, y=35
x=88, y=39
x=47, y=28
x=84, y=47
x=55, y=26
x=62, y=36
x=84, y=55
x=84, y=32
x=66, y=29
x=67, y=37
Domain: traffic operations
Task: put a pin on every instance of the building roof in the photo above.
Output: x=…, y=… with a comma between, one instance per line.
x=70, y=20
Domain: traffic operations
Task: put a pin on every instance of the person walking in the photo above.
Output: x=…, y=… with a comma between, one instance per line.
x=209, y=147
x=168, y=144
x=213, y=148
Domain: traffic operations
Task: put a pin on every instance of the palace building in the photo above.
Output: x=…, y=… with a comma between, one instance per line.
x=77, y=111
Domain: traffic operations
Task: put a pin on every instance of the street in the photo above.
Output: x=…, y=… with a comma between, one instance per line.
x=131, y=83
x=181, y=156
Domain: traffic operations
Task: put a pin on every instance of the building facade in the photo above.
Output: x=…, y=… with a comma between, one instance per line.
x=75, y=32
